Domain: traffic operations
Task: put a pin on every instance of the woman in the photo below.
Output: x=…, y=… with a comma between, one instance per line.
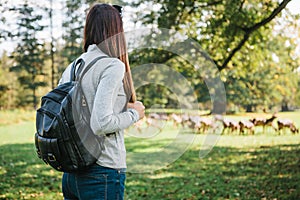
x=108, y=88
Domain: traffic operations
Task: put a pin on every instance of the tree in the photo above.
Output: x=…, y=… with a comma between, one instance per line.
x=52, y=52
x=74, y=25
x=28, y=55
x=223, y=24
x=73, y=34
x=234, y=33
x=8, y=83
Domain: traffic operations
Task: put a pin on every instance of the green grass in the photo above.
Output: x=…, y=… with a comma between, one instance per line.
x=22, y=174
x=239, y=167
x=17, y=133
x=264, y=166
x=8, y=117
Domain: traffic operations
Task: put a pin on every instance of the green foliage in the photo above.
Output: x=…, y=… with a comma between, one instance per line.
x=239, y=37
x=267, y=79
x=28, y=64
x=154, y=95
x=235, y=34
x=73, y=34
x=8, y=83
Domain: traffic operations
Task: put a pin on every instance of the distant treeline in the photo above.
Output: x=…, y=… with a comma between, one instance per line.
x=249, y=43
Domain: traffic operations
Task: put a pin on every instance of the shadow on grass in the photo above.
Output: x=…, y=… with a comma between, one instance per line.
x=148, y=155
x=267, y=172
x=24, y=176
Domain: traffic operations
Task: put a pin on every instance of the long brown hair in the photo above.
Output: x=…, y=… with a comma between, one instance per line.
x=104, y=27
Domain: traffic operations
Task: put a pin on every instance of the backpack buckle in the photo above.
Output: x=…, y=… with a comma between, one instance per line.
x=51, y=157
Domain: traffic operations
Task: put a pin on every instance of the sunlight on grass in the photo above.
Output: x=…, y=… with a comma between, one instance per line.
x=165, y=175
x=28, y=175
x=2, y=171
x=18, y=133
x=257, y=141
x=50, y=172
x=8, y=117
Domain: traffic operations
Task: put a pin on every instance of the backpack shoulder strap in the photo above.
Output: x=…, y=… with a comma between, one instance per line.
x=87, y=68
x=83, y=98
x=75, y=73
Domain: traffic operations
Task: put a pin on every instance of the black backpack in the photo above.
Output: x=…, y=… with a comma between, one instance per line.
x=64, y=138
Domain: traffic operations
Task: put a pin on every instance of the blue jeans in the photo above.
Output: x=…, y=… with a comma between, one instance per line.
x=96, y=183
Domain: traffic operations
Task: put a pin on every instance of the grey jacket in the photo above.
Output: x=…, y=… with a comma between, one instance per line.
x=104, y=91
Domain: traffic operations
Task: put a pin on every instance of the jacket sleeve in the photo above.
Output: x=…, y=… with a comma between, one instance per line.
x=103, y=119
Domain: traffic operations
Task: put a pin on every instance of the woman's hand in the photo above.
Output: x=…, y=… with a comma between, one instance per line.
x=139, y=107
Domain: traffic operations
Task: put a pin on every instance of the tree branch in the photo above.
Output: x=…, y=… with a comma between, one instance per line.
x=250, y=30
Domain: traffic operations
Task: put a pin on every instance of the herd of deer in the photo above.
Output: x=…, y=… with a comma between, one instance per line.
x=202, y=124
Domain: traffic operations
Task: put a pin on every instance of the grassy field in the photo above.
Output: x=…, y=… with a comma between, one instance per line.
x=264, y=166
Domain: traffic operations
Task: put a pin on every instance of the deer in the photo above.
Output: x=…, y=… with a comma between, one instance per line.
x=246, y=125
x=194, y=123
x=177, y=119
x=200, y=124
x=157, y=116
x=264, y=122
x=228, y=125
x=185, y=120
x=269, y=122
x=287, y=123
x=234, y=126
x=151, y=120
x=205, y=124
x=155, y=120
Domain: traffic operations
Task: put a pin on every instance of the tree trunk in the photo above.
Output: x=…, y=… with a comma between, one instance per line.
x=284, y=107
x=34, y=92
x=52, y=46
x=249, y=108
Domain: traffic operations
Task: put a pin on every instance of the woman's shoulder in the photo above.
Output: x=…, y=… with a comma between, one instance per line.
x=108, y=67
x=115, y=62
x=107, y=62
x=66, y=75
x=114, y=66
